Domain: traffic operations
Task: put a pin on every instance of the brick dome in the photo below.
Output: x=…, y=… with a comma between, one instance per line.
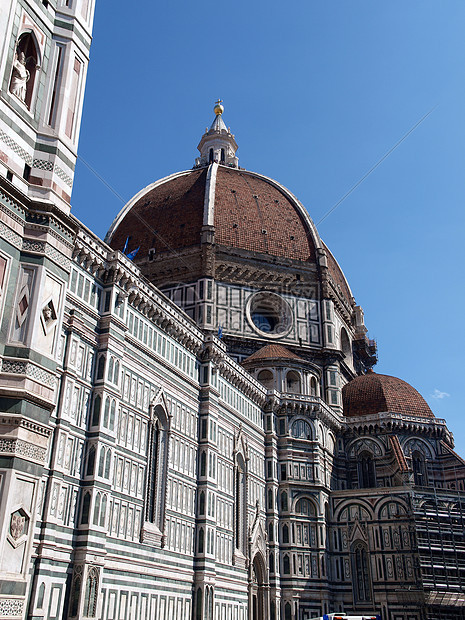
x=248, y=212
x=372, y=393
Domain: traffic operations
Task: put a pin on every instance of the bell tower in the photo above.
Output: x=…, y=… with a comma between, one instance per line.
x=43, y=65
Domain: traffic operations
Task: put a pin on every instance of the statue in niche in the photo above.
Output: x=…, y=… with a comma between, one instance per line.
x=19, y=77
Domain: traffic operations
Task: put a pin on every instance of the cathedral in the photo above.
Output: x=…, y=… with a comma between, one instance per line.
x=194, y=430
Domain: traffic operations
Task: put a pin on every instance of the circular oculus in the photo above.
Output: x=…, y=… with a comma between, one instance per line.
x=269, y=314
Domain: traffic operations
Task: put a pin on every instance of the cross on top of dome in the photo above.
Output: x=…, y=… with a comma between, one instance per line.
x=218, y=144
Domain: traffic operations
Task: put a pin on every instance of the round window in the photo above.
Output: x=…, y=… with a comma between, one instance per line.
x=269, y=314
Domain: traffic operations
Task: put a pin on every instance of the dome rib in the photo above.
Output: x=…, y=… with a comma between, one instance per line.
x=248, y=211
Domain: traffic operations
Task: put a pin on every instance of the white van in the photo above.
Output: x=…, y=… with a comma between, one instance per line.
x=342, y=616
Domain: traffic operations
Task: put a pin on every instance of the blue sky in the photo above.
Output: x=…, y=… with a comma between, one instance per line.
x=316, y=93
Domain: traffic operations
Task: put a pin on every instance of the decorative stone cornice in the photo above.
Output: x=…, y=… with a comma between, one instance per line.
x=215, y=352
x=311, y=406
x=389, y=422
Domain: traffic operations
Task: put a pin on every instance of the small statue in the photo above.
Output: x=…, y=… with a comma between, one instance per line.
x=19, y=77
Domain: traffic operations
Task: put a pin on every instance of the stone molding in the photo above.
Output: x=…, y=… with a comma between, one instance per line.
x=19, y=447
x=28, y=369
x=11, y=236
x=11, y=607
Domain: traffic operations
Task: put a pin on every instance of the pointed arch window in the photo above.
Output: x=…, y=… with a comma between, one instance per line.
x=201, y=541
x=270, y=532
x=198, y=611
x=157, y=467
x=366, y=471
x=108, y=464
x=419, y=468
x=90, y=601
x=96, y=410
x=285, y=533
x=90, y=461
x=101, y=464
x=346, y=346
x=361, y=578
x=210, y=156
x=241, y=503
x=223, y=157
x=97, y=509
x=85, y=509
x=41, y=596
x=75, y=595
x=100, y=367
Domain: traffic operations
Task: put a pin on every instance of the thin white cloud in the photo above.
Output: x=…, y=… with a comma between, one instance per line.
x=439, y=395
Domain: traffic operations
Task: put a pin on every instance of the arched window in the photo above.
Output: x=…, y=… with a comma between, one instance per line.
x=293, y=382
x=116, y=373
x=100, y=367
x=24, y=70
x=85, y=509
x=108, y=464
x=270, y=532
x=203, y=463
x=346, y=346
x=96, y=411
x=90, y=601
x=41, y=596
x=103, y=511
x=419, y=468
x=266, y=379
x=284, y=504
x=110, y=369
x=158, y=465
x=313, y=387
x=97, y=509
x=201, y=543
x=240, y=503
x=101, y=464
x=301, y=430
x=111, y=426
x=287, y=612
x=270, y=499
x=366, y=471
x=90, y=461
x=210, y=156
x=361, y=579
x=202, y=503
x=285, y=533
x=286, y=565
x=305, y=507
x=75, y=595
x=198, y=611
x=106, y=412
x=223, y=158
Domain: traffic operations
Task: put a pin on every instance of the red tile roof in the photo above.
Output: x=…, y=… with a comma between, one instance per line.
x=252, y=214
x=373, y=393
x=168, y=217
x=272, y=351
